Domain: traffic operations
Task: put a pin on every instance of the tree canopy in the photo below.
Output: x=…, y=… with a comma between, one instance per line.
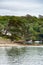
x=23, y=27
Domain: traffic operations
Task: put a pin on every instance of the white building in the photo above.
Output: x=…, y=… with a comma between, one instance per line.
x=37, y=42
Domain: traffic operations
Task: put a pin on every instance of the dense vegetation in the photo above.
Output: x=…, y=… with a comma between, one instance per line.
x=22, y=27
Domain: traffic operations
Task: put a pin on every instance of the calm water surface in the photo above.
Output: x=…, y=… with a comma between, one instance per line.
x=21, y=55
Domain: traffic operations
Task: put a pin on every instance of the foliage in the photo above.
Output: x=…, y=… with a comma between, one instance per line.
x=22, y=27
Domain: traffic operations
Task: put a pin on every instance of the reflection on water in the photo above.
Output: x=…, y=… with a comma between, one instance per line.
x=14, y=51
x=15, y=54
x=21, y=55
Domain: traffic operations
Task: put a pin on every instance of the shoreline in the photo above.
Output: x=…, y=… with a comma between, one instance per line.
x=9, y=43
x=18, y=45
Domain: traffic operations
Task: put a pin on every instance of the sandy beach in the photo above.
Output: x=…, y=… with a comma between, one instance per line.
x=9, y=43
